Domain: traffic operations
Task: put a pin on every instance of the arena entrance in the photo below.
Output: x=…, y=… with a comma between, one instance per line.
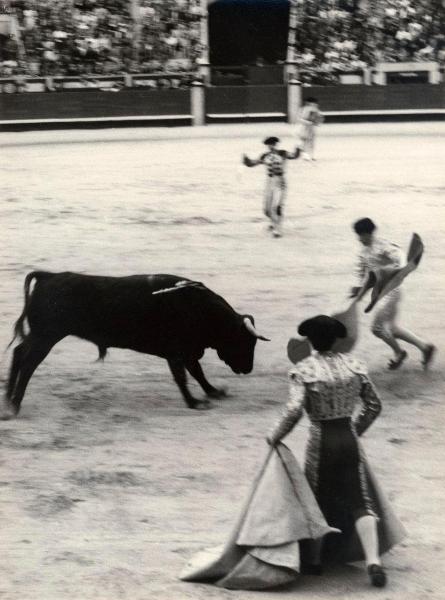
x=248, y=32
x=247, y=54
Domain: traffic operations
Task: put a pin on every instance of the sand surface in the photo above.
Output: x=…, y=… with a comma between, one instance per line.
x=108, y=483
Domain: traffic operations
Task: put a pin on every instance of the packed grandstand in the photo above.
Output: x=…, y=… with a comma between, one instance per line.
x=106, y=37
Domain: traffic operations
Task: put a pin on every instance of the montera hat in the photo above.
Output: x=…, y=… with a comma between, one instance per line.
x=321, y=331
x=271, y=140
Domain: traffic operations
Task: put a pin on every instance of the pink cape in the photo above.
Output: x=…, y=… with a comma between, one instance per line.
x=264, y=550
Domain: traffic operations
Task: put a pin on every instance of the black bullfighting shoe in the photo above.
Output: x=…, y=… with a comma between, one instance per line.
x=311, y=569
x=395, y=363
x=428, y=355
x=377, y=575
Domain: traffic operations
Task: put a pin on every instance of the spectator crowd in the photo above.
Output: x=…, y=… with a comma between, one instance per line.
x=347, y=36
x=97, y=37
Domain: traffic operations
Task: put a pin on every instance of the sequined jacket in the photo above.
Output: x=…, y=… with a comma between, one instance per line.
x=328, y=386
x=275, y=161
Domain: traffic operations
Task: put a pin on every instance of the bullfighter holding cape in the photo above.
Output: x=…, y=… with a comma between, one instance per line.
x=382, y=282
x=293, y=523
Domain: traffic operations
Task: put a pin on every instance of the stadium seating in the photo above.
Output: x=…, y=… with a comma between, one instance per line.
x=82, y=37
x=106, y=37
x=357, y=35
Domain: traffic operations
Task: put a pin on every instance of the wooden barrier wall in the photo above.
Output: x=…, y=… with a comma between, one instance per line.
x=265, y=101
x=128, y=102
x=403, y=96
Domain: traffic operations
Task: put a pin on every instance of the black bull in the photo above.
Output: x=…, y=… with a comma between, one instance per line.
x=164, y=315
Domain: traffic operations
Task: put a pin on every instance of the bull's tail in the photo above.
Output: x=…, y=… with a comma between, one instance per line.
x=19, y=327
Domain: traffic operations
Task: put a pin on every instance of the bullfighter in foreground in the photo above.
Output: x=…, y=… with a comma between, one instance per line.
x=328, y=385
x=275, y=191
x=378, y=253
x=292, y=525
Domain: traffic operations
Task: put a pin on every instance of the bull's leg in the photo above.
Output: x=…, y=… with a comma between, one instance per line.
x=14, y=369
x=7, y=410
x=32, y=353
x=179, y=375
x=195, y=370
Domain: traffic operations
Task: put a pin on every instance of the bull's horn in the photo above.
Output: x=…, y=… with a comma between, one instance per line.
x=251, y=329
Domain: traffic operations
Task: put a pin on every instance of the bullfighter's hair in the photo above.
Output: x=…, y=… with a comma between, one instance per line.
x=271, y=140
x=365, y=225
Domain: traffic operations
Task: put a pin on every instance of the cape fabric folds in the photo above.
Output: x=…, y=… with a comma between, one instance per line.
x=384, y=280
x=264, y=549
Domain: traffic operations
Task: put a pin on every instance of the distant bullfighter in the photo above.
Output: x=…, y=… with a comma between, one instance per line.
x=164, y=315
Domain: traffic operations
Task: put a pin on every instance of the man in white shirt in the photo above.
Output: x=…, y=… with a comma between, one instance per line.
x=310, y=118
x=378, y=253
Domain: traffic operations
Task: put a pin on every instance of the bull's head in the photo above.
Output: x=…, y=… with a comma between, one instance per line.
x=239, y=347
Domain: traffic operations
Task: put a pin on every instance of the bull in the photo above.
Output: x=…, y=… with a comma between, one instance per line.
x=164, y=315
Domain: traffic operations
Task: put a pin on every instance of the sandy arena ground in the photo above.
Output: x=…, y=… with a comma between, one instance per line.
x=108, y=483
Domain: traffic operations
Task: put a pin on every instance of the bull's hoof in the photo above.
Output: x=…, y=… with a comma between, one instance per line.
x=7, y=413
x=202, y=405
x=217, y=393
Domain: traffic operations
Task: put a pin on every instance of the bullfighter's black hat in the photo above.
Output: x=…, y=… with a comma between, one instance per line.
x=322, y=331
x=271, y=140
